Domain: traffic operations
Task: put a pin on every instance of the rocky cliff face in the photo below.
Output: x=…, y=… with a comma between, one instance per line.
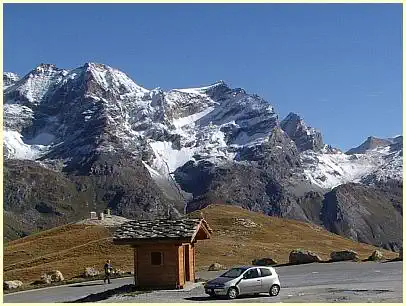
x=305, y=138
x=365, y=214
x=147, y=153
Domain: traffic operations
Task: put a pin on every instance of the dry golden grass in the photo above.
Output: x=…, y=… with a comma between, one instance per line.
x=233, y=244
x=68, y=248
x=71, y=248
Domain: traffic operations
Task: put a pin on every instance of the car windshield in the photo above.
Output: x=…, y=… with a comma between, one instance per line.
x=234, y=272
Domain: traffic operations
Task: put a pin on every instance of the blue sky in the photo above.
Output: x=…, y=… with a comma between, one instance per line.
x=337, y=65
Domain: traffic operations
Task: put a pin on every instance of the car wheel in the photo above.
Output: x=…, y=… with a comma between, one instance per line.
x=232, y=293
x=274, y=291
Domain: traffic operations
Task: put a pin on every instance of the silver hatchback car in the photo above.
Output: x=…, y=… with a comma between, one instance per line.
x=245, y=280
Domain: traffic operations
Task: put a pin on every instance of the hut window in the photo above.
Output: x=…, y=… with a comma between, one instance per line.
x=156, y=258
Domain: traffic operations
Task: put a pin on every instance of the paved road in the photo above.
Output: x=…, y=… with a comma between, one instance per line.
x=336, y=282
x=64, y=293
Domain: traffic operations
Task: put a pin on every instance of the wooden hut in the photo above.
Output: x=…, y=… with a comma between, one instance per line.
x=164, y=250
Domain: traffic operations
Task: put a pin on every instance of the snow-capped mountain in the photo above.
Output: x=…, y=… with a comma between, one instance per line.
x=213, y=121
x=375, y=142
x=9, y=78
x=374, y=160
x=329, y=169
x=106, y=141
x=50, y=112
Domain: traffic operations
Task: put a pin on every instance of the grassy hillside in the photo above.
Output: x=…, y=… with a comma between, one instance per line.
x=233, y=243
x=68, y=248
x=238, y=237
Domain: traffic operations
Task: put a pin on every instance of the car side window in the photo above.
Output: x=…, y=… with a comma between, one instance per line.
x=265, y=272
x=253, y=273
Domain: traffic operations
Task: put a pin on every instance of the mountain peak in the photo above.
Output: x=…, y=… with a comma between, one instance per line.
x=44, y=68
x=292, y=116
x=304, y=136
x=9, y=78
x=93, y=65
x=296, y=119
x=33, y=87
x=373, y=142
x=110, y=78
x=11, y=75
x=213, y=90
x=219, y=83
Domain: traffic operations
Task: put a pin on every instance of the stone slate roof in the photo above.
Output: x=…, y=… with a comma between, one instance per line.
x=158, y=229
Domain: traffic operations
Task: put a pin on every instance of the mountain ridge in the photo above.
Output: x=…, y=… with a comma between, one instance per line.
x=93, y=122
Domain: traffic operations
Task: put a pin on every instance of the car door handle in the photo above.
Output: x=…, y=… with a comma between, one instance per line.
x=258, y=280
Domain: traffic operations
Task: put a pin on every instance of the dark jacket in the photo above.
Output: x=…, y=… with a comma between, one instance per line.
x=107, y=268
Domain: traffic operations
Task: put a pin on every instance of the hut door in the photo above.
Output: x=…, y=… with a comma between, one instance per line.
x=186, y=262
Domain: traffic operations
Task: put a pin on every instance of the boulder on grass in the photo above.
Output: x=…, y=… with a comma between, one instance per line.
x=7, y=285
x=52, y=277
x=376, y=256
x=344, y=255
x=216, y=267
x=303, y=257
x=90, y=272
x=267, y=261
x=45, y=279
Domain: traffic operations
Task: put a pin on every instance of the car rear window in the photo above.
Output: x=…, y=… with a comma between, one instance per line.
x=265, y=272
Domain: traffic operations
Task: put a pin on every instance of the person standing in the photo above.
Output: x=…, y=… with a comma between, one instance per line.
x=107, y=271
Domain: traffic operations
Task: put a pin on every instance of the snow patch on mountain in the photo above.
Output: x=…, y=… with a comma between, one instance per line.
x=168, y=159
x=154, y=174
x=15, y=147
x=201, y=90
x=113, y=79
x=214, y=122
x=16, y=115
x=34, y=86
x=390, y=169
x=329, y=170
x=190, y=120
x=9, y=79
x=250, y=140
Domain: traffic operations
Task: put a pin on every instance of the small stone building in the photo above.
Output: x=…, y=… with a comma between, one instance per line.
x=164, y=250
